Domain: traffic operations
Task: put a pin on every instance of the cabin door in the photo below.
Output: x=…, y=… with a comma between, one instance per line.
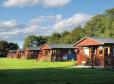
x=94, y=60
x=107, y=58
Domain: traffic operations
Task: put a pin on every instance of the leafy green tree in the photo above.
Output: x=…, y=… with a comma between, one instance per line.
x=110, y=13
x=75, y=35
x=101, y=25
x=54, y=38
x=32, y=38
x=41, y=40
x=13, y=46
x=3, y=48
x=28, y=40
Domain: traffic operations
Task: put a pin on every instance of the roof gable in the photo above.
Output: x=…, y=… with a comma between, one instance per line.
x=88, y=41
x=45, y=46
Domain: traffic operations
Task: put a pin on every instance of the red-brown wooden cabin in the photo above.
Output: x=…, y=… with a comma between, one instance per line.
x=12, y=53
x=15, y=53
x=57, y=52
x=31, y=53
x=94, y=51
x=20, y=53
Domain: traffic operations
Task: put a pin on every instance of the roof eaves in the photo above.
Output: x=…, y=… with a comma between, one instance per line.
x=80, y=41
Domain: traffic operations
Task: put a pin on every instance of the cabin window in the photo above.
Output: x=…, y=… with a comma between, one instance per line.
x=46, y=52
x=107, y=52
x=78, y=51
x=69, y=51
x=54, y=52
x=101, y=50
x=58, y=51
x=86, y=51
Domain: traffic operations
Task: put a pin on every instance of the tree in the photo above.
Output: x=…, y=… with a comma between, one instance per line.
x=54, y=38
x=75, y=35
x=3, y=48
x=28, y=41
x=110, y=13
x=41, y=40
x=100, y=26
x=32, y=38
x=63, y=34
x=13, y=46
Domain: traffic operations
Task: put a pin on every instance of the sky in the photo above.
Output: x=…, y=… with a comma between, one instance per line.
x=20, y=18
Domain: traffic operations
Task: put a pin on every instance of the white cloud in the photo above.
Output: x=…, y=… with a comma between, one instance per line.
x=45, y=3
x=20, y=3
x=8, y=29
x=10, y=23
x=70, y=23
x=47, y=19
x=30, y=29
x=55, y=3
x=10, y=33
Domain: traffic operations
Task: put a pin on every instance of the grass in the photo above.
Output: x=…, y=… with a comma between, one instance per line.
x=14, y=71
x=6, y=63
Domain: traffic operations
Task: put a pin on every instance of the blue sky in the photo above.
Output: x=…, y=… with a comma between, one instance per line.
x=19, y=18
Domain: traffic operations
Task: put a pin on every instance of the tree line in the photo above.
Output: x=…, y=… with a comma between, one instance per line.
x=6, y=46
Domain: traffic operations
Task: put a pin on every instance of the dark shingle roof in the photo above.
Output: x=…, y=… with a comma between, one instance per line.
x=21, y=50
x=34, y=48
x=12, y=50
x=61, y=45
x=103, y=40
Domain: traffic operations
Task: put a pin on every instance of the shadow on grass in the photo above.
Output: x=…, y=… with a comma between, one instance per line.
x=56, y=76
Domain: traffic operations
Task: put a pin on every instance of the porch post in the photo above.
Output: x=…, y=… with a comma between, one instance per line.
x=92, y=59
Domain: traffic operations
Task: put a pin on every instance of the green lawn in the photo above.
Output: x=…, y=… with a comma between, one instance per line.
x=14, y=71
x=6, y=63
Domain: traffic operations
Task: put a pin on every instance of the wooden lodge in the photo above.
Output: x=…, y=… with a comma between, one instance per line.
x=12, y=54
x=15, y=53
x=32, y=53
x=20, y=53
x=92, y=51
x=57, y=52
x=28, y=53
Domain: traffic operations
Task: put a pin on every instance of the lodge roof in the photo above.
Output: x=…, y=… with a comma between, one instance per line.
x=60, y=45
x=99, y=39
x=12, y=50
x=103, y=40
x=20, y=49
x=34, y=48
